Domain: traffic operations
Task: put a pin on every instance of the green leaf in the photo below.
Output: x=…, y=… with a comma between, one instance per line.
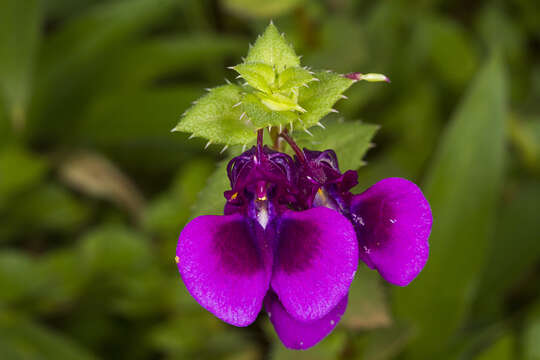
x=328, y=349
x=75, y=54
x=48, y=207
x=21, y=338
x=350, y=140
x=20, y=33
x=514, y=251
x=17, y=276
x=213, y=117
x=260, y=115
x=532, y=334
x=211, y=200
x=182, y=336
x=62, y=278
x=271, y=48
x=279, y=102
x=525, y=134
x=19, y=171
x=114, y=250
x=294, y=77
x=463, y=187
x=132, y=127
x=52, y=207
x=258, y=75
x=502, y=349
x=169, y=211
x=319, y=98
x=143, y=63
x=449, y=40
x=261, y=8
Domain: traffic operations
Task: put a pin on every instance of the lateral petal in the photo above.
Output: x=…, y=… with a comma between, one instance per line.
x=393, y=221
x=225, y=264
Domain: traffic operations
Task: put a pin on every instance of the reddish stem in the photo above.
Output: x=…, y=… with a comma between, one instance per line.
x=293, y=145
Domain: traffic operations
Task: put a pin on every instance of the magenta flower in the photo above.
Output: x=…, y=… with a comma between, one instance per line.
x=291, y=237
x=301, y=263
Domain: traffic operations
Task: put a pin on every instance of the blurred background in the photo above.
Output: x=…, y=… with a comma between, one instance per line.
x=94, y=189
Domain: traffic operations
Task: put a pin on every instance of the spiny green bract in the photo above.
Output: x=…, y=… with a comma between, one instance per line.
x=275, y=92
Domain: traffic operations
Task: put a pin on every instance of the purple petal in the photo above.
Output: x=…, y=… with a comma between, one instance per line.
x=225, y=265
x=298, y=335
x=393, y=222
x=316, y=258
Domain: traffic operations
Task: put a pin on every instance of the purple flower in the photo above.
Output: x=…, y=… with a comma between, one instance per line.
x=291, y=237
x=299, y=263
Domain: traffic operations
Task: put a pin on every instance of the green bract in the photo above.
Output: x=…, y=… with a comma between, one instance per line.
x=215, y=118
x=276, y=92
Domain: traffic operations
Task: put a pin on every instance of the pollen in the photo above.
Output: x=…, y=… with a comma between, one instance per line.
x=177, y=259
x=234, y=196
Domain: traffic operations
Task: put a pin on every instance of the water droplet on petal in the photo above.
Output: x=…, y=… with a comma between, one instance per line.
x=332, y=322
x=269, y=314
x=393, y=221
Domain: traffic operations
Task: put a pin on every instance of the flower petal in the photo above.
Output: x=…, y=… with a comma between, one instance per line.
x=298, y=335
x=225, y=265
x=316, y=258
x=393, y=222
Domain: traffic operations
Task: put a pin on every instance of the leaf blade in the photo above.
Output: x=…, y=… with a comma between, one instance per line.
x=463, y=192
x=20, y=22
x=350, y=140
x=272, y=49
x=320, y=96
x=215, y=117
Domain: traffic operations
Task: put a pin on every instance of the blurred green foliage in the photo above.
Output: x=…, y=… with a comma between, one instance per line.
x=94, y=189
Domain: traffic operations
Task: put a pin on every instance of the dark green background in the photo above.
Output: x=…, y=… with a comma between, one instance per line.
x=94, y=189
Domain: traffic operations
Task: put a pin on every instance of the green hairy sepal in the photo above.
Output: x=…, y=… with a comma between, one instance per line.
x=275, y=91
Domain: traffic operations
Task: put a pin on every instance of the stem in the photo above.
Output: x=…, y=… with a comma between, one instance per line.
x=292, y=144
x=274, y=135
x=260, y=143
